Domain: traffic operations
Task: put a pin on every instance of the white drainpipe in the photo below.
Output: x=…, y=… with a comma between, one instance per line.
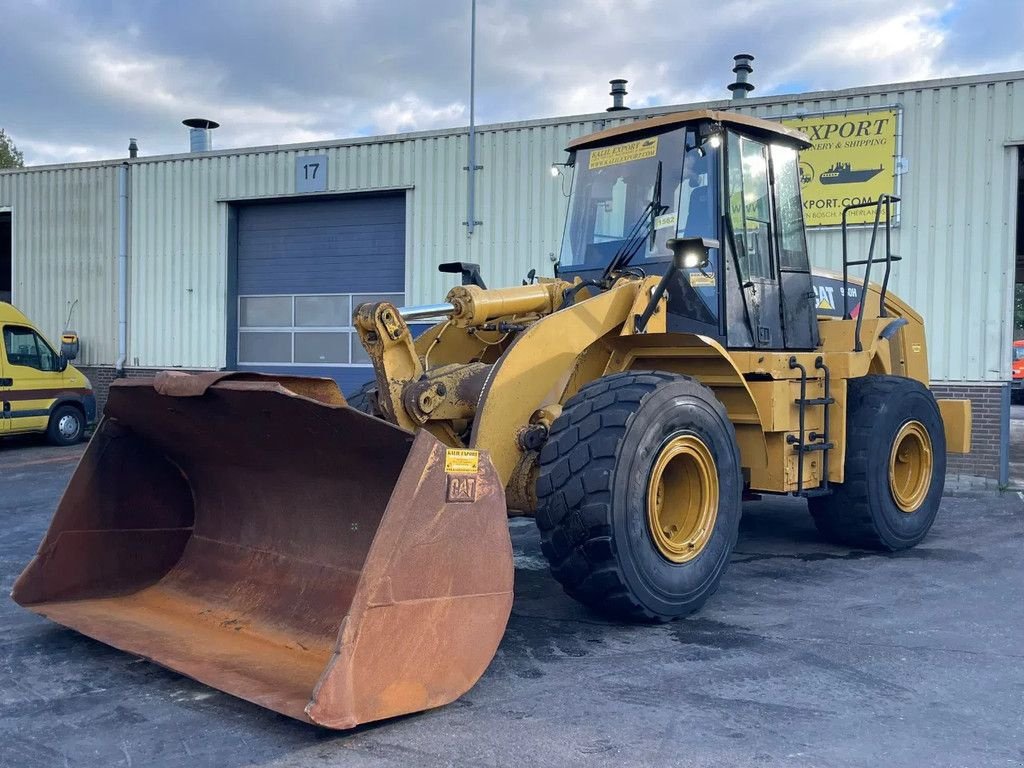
x=122, y=270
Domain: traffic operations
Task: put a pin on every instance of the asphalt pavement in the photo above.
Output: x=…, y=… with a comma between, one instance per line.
x=808, y=655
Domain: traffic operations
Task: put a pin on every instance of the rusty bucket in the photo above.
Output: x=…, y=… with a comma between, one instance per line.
x=260, y=536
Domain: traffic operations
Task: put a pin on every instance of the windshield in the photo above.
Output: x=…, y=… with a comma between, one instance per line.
x=1018, y=353
x=630, y=198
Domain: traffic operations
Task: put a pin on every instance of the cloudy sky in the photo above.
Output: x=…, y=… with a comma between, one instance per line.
x=81, y=76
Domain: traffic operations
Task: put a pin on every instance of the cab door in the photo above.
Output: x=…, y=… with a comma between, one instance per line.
x=32, y=370
x=750, y=226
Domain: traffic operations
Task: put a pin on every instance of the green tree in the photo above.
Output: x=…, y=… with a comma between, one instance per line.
x=10, y=156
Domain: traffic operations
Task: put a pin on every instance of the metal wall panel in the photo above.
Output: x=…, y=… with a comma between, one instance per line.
x=956, y=232
x=65, y=252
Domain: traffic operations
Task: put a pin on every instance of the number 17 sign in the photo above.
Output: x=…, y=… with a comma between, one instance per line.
x=311, y=173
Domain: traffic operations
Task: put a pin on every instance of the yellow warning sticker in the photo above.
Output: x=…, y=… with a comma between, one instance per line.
x=700, y=279
x=461, y=461
x=624, y=153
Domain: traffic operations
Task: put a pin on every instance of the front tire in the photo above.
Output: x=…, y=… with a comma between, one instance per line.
x=66, y=427
x=639, y=495
x=895, y=467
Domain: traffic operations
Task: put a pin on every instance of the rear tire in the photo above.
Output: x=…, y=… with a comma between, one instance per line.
x=885, y=502
x=66, y=427
x=623, y=448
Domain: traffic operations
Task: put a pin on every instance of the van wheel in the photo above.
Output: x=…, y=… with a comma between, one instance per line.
x=639, y=495
x=66, y=426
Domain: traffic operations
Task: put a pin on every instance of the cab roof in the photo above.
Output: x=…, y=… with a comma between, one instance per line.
x=766, y=128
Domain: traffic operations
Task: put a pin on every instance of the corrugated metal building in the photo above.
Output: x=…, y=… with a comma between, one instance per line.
x=209, y=287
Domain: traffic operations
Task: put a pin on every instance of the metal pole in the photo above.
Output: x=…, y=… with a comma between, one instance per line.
x=471, y=161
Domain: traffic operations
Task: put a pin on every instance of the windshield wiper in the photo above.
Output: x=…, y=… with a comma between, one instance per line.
x=641, y=229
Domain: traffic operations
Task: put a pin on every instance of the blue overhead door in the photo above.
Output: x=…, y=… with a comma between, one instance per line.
x=302, y=267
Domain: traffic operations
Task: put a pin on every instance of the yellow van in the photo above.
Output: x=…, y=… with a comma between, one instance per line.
x=39, y=390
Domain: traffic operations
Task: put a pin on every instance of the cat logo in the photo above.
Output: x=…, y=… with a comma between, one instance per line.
x=823, y=297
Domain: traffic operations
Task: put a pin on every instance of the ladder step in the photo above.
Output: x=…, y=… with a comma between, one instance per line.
x=816, y=492
x=815, y=401
x=808, y=447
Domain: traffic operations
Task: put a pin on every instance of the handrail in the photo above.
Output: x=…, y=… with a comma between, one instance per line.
x=886, y=200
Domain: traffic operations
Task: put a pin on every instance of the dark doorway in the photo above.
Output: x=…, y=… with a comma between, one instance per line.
x=1017, y=355
x=6, y=249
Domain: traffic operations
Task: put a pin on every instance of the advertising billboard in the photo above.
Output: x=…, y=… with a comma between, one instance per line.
x=852, y=160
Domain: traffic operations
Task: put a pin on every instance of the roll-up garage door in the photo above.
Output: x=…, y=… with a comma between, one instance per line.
x=302, y=267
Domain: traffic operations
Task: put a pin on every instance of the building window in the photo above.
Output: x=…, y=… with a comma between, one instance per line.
x=313, y=330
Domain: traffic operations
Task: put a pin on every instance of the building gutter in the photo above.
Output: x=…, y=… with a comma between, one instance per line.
x=122, y=269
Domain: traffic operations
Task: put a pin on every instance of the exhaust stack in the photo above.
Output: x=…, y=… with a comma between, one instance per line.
x=618, y=94
x=199, y=133
x=741, y=87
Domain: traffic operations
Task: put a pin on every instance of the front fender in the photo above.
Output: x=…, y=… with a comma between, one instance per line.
x=535, y=370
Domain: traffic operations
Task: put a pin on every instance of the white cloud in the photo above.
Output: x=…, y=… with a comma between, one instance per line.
x=411, y=113
x=45, y=152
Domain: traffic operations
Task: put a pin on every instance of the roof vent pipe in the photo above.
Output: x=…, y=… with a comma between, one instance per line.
x=618, y=93
x=199, y=133
x=741, y=87
x=133, y=148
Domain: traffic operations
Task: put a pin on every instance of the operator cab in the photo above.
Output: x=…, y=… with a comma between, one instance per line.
x=729, y=179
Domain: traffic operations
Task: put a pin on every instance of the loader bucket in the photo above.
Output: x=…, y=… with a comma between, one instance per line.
x=260, y=536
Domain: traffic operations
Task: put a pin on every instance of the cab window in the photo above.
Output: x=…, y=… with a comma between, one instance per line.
x=26, y=347
x=749, y=206
x=789, y=213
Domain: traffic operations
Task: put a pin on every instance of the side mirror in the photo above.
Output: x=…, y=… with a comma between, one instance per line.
x=62, y=363
x=470, y=272
x=68, y=346
x=691, y=252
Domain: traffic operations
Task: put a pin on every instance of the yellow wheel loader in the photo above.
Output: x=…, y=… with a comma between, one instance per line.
x=345, y=564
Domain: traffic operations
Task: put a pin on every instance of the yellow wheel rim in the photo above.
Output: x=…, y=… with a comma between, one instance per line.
x=910, y=466
x=682, y=498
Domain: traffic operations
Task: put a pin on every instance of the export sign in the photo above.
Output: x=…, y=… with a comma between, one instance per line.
x=624, y=153
x=852, y=160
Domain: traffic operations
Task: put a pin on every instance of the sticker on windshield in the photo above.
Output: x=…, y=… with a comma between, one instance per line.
x=702, y=279
x=666, y=220
x=624, y=153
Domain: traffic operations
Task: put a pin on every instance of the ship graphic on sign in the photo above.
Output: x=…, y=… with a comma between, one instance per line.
x=843, y=173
